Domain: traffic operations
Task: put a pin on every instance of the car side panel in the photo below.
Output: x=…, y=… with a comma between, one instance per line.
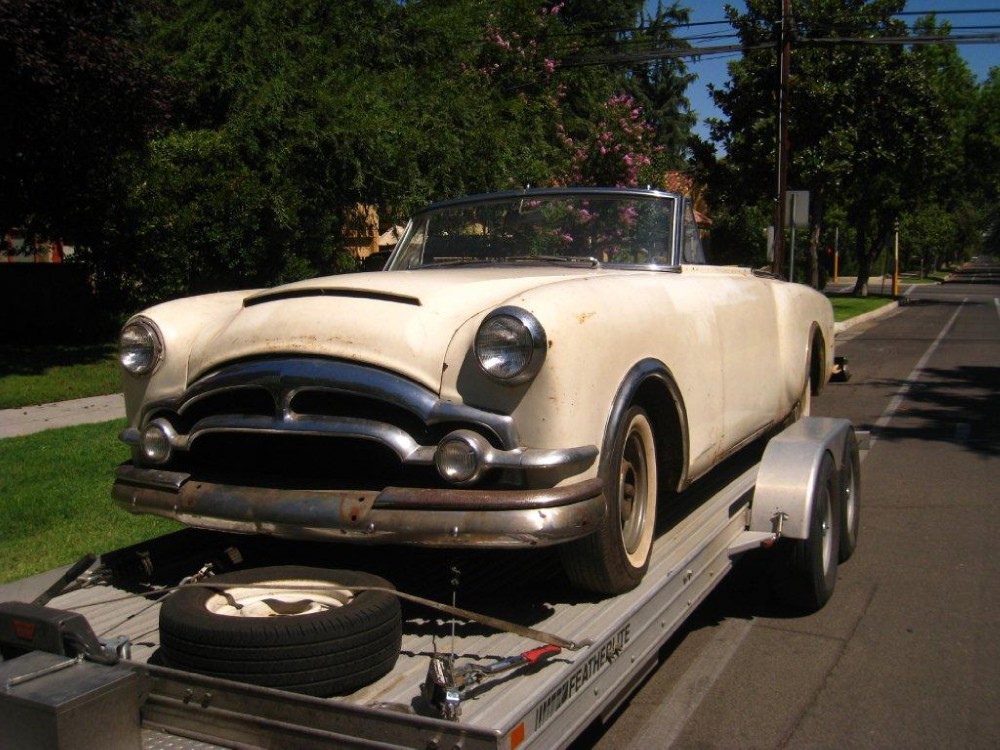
x=747, y=329
x=597, y=330
x=800, y=310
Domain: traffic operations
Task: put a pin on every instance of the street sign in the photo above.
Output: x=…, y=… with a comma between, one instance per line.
x=797, y=208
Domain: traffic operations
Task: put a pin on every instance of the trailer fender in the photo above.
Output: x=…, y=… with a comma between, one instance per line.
x=789, y=470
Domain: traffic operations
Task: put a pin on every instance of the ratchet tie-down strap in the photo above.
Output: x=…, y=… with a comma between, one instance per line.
x=492, y=622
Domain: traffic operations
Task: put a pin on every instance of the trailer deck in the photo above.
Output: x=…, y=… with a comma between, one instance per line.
x=543, y=705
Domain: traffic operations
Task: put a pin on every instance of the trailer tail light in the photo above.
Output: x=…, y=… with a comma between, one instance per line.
x=24, y=630
x=517, y=736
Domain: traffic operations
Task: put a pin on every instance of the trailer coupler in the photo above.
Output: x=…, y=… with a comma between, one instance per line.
x=30, y=627
x=446, y=684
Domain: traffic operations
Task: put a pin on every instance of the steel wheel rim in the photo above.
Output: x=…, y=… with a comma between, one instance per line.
x=636, y=491
x=850, y=509
x=825, y=530
x=805, y=403
x=276, y=599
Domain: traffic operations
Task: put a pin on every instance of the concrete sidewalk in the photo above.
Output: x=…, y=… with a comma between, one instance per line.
x=29, y=419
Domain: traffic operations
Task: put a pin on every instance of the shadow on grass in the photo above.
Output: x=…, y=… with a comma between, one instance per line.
x=25, y=359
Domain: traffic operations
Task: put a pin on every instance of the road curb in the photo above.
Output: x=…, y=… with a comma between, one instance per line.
x=846, y=325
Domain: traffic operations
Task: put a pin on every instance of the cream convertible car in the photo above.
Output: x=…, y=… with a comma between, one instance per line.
x=531, y=368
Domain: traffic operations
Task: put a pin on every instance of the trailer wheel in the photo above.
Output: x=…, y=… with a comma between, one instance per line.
x=615, y=557
x=806, y=571
x=850, y=498
x=287, y=627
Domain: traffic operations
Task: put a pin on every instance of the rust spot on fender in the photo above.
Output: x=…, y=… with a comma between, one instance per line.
x=584, y=317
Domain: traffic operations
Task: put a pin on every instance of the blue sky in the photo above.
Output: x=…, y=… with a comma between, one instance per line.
x=713, y=69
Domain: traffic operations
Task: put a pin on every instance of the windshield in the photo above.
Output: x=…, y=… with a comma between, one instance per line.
x=585, y=228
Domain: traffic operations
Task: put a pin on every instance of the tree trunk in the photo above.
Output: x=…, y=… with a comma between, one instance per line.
x=817, y=226
x=814, y=256
x=864, y=264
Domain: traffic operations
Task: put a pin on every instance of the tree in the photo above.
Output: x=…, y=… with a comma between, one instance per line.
x=290, y=115
x=77, y=92
x=982, y=157
x=864, y=119
x=944, y=222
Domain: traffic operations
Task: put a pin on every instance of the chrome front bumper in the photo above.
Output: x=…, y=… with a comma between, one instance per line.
x=432, y=517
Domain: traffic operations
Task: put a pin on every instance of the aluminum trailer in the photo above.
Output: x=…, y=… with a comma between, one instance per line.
x=55, y=697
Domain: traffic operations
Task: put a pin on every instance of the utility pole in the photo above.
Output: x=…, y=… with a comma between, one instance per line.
x=895, y=262
x=784, y=145
x=836, y=254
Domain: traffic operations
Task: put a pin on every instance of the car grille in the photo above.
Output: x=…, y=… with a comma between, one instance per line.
x=300, y=461
x=278, y=398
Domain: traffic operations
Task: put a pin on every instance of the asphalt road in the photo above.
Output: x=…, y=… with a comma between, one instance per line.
x=907, y=654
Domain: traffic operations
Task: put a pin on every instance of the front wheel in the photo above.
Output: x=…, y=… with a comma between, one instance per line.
x=804, y=406
x=614, y=559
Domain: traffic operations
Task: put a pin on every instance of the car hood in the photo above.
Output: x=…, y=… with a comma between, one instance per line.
x=398, y=320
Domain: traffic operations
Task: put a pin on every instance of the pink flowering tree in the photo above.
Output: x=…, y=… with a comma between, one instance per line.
x=579, y=124
x=620, y=150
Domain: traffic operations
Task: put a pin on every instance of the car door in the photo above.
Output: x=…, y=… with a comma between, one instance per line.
x=746, y=318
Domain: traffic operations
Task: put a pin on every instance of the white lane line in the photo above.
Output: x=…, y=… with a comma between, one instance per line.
x=666, y=721
x=912, y=378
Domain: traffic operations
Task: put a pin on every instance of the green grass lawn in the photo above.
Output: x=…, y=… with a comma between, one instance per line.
x=55, y=499
x=849, y=307
x=42, y=374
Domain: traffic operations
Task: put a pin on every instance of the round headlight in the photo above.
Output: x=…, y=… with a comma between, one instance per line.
x=140, y=347
x=510, y=345
x=459, y=457
x=155, y=441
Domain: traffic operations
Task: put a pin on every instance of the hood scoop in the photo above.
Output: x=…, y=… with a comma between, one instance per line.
x=282, y=294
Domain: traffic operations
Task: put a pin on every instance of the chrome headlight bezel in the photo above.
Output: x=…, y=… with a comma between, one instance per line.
x=140, y=347
x=510, y=345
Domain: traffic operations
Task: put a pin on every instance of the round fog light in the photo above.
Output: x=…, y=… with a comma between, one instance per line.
x=458, y=458
x=155, y=442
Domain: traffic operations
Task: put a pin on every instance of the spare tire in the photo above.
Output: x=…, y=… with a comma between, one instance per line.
x=288, y=627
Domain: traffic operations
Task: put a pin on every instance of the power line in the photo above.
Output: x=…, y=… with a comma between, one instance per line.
x=903, y=40
x=632, y=58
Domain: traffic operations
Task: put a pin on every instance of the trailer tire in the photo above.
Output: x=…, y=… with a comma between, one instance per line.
x=806, y=571
x=615, y=558
x=318, y=640
x=850, y=497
